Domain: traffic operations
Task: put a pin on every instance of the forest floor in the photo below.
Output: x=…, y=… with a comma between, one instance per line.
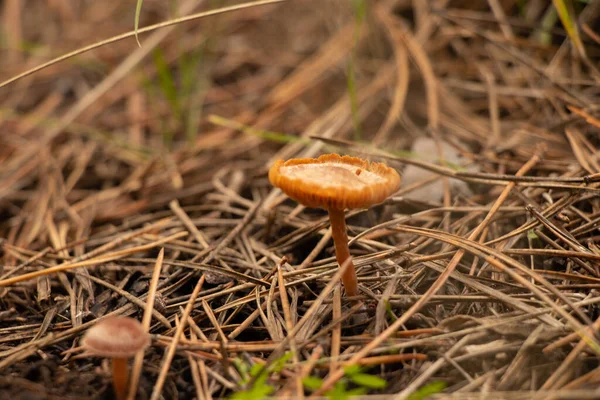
x=479, y=279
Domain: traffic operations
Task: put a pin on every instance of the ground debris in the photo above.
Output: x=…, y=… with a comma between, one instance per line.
x=133, y=179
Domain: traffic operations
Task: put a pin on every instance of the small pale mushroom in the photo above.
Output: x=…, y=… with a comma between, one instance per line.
x=118, y=338
x=336, y=183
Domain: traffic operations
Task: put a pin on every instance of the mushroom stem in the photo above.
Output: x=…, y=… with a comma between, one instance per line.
x=119, y=370
x=337, y=218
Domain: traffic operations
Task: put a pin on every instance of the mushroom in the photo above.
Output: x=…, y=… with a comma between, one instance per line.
x=336, y=183
x=119, y=338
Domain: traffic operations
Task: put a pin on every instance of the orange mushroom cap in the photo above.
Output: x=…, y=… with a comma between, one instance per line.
x=116, y=337
x=335, y=182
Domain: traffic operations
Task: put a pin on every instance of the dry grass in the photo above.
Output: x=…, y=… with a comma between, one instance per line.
x=133, y=182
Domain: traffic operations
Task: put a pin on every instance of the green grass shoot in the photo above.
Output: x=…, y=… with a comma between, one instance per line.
x=266, y=135
x=136, y=22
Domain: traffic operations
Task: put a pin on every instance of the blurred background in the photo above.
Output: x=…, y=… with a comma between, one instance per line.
x=472, y=79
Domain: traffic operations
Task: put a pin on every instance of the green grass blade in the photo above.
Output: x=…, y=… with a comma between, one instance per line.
x=266, y=135
x=312, y=382
x=353, y=99
x=428, y=390
x=194, y=85
x=360, y=10
x=136, y=23
x=167, y=82
x=543, y=35
x=568, y=20
x=368, y=381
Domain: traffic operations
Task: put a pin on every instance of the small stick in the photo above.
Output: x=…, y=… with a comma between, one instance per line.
x=289, y=325
x=168, y=358
x=146, y=320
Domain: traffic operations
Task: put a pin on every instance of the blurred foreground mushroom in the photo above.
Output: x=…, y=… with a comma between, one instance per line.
x=336, y=183
x=119, y=338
